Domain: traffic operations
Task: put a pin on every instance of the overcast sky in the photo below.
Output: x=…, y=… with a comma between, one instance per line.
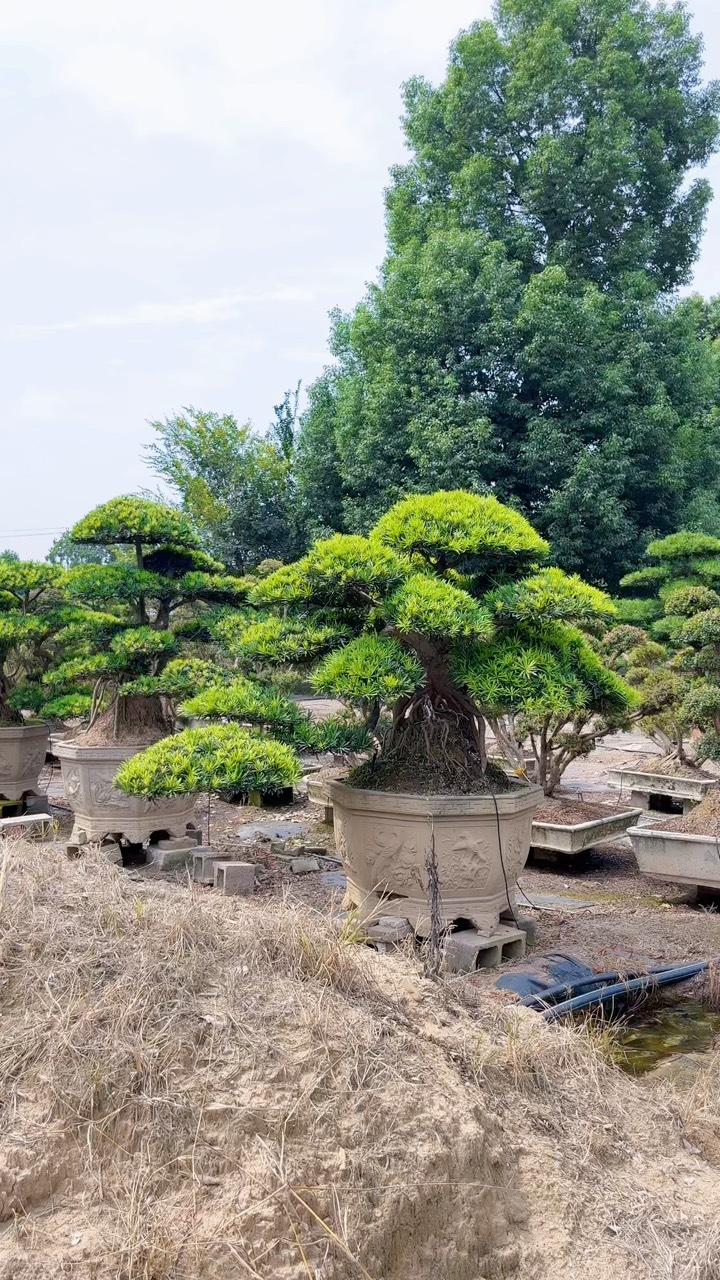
x=188, y=187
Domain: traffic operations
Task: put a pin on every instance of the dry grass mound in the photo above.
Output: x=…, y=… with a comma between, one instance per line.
x=198, y=1087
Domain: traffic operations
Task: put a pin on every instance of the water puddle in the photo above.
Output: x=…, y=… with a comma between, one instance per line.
x=666, y=1032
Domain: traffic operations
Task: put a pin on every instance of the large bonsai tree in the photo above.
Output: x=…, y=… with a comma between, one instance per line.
x=436, y=615
x=26, y=621
x=122, y=636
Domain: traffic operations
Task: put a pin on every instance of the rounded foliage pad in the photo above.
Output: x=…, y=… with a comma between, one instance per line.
x=223, y=758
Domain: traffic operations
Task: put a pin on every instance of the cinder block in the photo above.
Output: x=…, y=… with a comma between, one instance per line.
x=170, y=859
x=174, y=842
x=329, y=817
x=27, y=824
x=528, y=924
x=204, y=860
x=468, y=949
x=236, y=878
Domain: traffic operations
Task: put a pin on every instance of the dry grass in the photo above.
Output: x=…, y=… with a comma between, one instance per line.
x=194, y=1086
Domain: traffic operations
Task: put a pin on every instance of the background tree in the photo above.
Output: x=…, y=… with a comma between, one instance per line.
x=522, y=338
x=237, y=487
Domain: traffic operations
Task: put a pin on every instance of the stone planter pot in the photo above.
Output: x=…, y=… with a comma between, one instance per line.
x=677, y=856
x=384, y=840
x=643, y=787
x=100, y=810
x=574, y=838
x=22, y=756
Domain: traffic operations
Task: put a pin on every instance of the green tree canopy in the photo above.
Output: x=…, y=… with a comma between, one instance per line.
x=521, y=340
x=237, y=487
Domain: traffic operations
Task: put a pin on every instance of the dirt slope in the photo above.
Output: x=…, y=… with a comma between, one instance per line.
x=195, y=1087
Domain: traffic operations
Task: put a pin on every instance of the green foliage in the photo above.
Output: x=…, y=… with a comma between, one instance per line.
x=236, y=487
x=433, y=607
x=18, y=628
x=687, y=601
x=130, y=521
x=223, y=758
x=704, y=629
x=26, y=580
x=245, y=701
x=525, y=337
x=551, y=673
x=343, y=570
x=551, y=594
x=69, y=706
x=181, y=678
x=369, y=669
x=278, y=640
x=682, y=546
x=461, y=530
x=333, y=734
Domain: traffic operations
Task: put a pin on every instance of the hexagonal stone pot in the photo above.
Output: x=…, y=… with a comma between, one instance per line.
x=481, y=846
x=100, y=810
x=22, y=756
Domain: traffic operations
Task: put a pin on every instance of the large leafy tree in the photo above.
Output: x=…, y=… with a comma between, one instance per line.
x=521, y=338
x=237, y=487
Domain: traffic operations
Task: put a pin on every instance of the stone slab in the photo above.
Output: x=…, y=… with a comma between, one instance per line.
x=27, y=823
x=302, y=866
x=249, y=832
x=390, y=929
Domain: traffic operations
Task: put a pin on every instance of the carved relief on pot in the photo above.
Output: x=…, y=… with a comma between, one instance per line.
x=514, y=853
x=71, y=781
x=104, y=794
x=7, y=770
x=464, y=861
x=343, y=847
x=33, y=759
x=393, y=856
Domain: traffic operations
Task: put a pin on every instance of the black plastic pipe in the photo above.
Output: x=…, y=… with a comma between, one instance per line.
x=657, y=978
x=566, y=990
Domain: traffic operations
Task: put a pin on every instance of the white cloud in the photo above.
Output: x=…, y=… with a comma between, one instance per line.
x=197, y=311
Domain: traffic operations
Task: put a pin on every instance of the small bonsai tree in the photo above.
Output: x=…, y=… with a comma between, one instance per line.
x=122, y=635
x=656, y=673
x=27, y=619
x=415, y=617
x=224, y=759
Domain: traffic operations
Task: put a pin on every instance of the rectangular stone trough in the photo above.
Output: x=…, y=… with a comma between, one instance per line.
x=562, y=837
x=677, y=856
x=644, y=786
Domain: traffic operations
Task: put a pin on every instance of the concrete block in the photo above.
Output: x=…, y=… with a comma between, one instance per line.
x=204, y=860
x=468, y=949
x=37, y=804
x=329, y=817
x=389, y=929
x=315, y=851
x=277, y=846
x=301, y=866
x=236, y=878
x=171, y=859
x=174, y=842
x=528, y=925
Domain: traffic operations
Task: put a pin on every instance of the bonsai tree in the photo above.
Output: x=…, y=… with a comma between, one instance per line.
x=26, y=620
x=437, y=614
x=122, y=636
x=224, y=759
x=656, y=673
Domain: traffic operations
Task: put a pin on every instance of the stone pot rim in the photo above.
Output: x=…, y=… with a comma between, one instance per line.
x=687, y=837
x=436, y=803
x=37, y=728
x=592, y=822
x=72, y=750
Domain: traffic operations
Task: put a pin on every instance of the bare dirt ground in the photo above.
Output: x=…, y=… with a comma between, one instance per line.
x=194, y=1086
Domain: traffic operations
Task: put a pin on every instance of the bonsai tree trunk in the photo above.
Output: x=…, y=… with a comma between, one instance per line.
x=137, y=718
x=9, y=717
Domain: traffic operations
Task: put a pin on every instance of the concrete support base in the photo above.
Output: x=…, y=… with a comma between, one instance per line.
x=468, y=949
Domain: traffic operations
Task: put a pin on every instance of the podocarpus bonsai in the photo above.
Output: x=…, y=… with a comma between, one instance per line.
x=124, y=641
x=126, y=648
x=26, y=620
x=683, y=609
x=419, y=608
